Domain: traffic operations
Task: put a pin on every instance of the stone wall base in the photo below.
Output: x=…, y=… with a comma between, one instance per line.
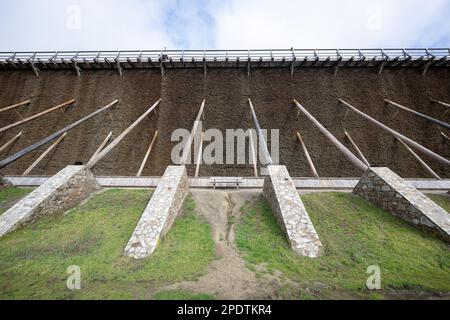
x=291, y=214
x=63, y=191
x=387, y=190
x=160, y=213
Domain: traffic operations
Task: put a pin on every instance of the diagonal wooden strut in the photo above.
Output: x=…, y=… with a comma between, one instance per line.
x=350, y=156
x=15, y=105
x=421, y=115
x=405, y=139
x=116, y=141
x=53, y=136
x=422, y=163
x=10, y=142
x=101, y=146
x=187, y=147
x=361, y=155
x=147, y=154
x=305, y=151
x=40, y=114
x=42, y=156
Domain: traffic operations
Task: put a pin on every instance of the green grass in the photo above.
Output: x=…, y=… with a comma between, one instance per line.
x=442, y=200
x=34, y=259
x=9, y=196
x=182, y=295
x=355, y=235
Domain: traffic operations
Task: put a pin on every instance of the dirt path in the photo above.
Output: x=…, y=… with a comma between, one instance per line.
x=227, y=277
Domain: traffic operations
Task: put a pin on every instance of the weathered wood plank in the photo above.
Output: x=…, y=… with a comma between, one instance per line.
x=116, y=141
x=15, y=105
x=37, y=115
x=305, y=151
x=6, y=145
x=42, y=156
x=147, y=154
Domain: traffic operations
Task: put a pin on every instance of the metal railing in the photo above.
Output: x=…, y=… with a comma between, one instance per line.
x=138, y=57
x=223, y=55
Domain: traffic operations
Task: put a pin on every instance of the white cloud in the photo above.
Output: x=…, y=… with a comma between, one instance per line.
x=332, y=24
x=222, y=24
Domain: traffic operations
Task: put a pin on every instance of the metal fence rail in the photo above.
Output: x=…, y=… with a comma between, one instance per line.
x=414, y=57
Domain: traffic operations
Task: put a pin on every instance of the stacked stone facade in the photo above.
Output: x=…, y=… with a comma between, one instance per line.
x=160, y=213
x=291, y=214
x=63, y=191
x=384, y=188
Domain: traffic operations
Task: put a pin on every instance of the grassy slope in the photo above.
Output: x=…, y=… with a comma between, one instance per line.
x=442, y=200
x=34, y=260
x=355, y=235
x=9, y=196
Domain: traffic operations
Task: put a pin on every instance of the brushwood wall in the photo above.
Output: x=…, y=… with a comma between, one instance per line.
x=226, y=92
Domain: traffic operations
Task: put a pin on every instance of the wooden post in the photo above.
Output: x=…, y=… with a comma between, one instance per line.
x=42, y=156
x=441, y=103
x=53, y=136
x=150, y=147
x=254, y=159
x=268, y=158
x=361, y=155
x=350, y=156
x=116, y=141
x=18, y=123
x=410, y=142
x=199, y=156
x=102, y=145
x=421, y=115
x=424, y=165
x=311, y=164
x=6, y=145
x=15, y=105
x=187, y=147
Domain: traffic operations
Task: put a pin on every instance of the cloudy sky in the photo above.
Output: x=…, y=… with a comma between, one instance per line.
x=39, y=25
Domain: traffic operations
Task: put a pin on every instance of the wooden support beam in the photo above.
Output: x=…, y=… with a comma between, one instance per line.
x=42, y=156
x=187, y=147
x=10, y=142
x=423, y=164
x=53, y=136
x=147, y=154
x=361, y=155
x=441, y=103
x=15, y=105
x=116, y=141
x=350, y=156
x=199, y=156
x=445, y=136
x=102, y=146
x=421, y=115
x=40, y=114
x=305, y=151
x=268, y=158
x=254, y=160
x=410, y=142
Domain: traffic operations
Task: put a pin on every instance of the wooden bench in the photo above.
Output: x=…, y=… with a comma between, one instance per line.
x=225, y=182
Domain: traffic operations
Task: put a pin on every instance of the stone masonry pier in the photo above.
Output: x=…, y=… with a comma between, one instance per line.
x=291, y=214
x=61, y=192
x=160, y=213
x=384, y=188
